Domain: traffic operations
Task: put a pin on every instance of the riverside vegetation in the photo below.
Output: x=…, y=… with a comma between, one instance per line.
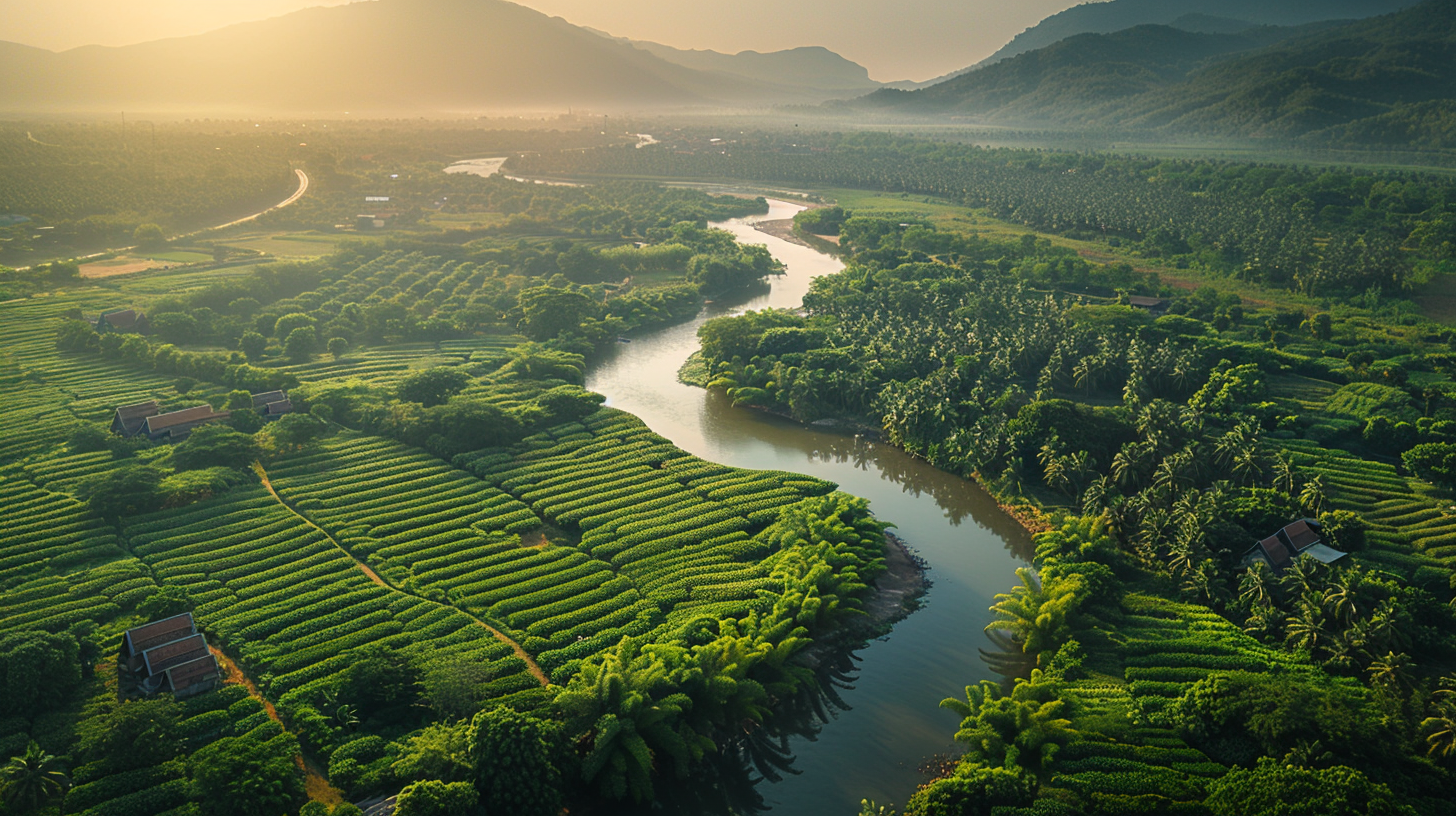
x=1148, y=669
x=450, y=571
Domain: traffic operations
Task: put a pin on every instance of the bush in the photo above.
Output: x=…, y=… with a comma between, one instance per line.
x=973, y=792
x=1343, y=529
x=124, y=491
x=215, y=446
x=38, y=670
x=1433, y=461
x=432, y=797
x=1272, y=787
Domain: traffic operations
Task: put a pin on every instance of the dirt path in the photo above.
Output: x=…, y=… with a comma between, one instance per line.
x=315, y=782
x=519, y=650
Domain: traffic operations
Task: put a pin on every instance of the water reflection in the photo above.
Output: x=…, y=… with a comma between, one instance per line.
x=872, y=725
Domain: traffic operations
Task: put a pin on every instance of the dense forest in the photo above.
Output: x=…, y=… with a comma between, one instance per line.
x=1325, y=232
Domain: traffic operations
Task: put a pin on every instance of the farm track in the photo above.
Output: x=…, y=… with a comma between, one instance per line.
x=519, y=650
x=316, y=782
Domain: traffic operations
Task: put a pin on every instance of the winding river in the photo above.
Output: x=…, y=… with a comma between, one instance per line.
x=893, y=722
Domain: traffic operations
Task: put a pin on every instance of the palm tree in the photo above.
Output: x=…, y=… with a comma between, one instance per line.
x=1306, y=628
x=1304, y=578
x=1440, y=727
x=1312, y=497
x=1286, y=475
x=30, y=781
x=1343, y=595
x=1258, y=586
x=1391, y=672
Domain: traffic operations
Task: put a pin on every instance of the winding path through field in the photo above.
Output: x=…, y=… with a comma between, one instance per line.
x=519, y=650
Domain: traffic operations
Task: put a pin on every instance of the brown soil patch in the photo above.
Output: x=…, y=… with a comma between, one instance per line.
x=782, y=228
x=904, y=579
x=534, y=540
x=108, y=269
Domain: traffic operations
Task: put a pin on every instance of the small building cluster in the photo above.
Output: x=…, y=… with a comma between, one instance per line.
x=168, y=655
x=1300, y=539
x=119, y=320
x=146, y=418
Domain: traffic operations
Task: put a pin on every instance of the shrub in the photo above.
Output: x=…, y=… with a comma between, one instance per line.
x=973, y=792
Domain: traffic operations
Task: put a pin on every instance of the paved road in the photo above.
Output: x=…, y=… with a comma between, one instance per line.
x=297, y=194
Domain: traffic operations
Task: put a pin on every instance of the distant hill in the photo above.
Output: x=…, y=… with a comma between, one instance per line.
x=1116, y=15
x=1060, y=83
x=810, y=72
x=1388, y=81
x=382, y=55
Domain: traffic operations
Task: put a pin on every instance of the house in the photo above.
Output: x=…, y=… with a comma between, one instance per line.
x=120, y=320
x=177, y=425
x=192, y=677
x=372, y=222
x=168, y=655
x=135, y=642
x=1157, y=307
x=1299, y=539
x=272, y=404
x=129, y=419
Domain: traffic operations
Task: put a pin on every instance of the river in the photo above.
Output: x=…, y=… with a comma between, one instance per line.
x=873, y=749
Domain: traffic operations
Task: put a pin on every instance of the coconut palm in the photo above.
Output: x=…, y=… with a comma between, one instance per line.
x=1258, y=587
x=1285, y=475
x=1343, y=595
x=32, y=780
x=1306, y=629
x=1391, y=673
x=1312, y=496
x=1440, y=727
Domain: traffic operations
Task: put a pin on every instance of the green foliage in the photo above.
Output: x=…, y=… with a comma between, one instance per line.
x=514, y=763
x=1273, y=788
x=377, y=679
x=432, y=386
x=134, y=734
x=1433, y=461
x=338, y=347
x=441, y=751
x=215, y=446
x=149, y=236
x=252, y=345
x=125, y=491
x=238, y=776
x=431, y=797
x=973, y=791
x=548, y=312
x=301, y=344
x=38, y=671
x=32, y=780
x=1343, y=529
x=165, y=602
x=1023, y=729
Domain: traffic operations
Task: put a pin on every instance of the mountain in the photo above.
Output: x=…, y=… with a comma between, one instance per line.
x=812, y=73
x=1116, y=15
x=1059, y=83
x=1388, y=81
x=381, y=55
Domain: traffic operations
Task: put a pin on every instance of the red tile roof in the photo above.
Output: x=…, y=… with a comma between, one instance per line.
x=146, y=636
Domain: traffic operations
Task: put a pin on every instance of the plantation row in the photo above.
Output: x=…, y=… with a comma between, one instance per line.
x=288, y=601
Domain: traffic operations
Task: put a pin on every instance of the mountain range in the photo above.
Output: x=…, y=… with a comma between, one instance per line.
x=1388, y=79
x=412, y=55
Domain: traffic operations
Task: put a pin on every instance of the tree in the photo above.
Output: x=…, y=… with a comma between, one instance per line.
x=1274, y=788
x=1433, y=461
x=165, y=602
x=1022, y=729
x=471, y=424
x=431, y=797
x=32, y=780
x=239, y=776
x=124, y=491
x=300, y=344
x=378, y=678
x=548, y=312
x=513, y=760
x=338, y=347
x=38, y=671
x=215, y=446
x=441, y=751
x=432, y=386
x=149, y=236
x=973, y=792
x=293, y=431
x=1343, y=529
x=252, y=345
x=285, y=325
x=1038, y=614
x=134, y=734
x=1440, y=727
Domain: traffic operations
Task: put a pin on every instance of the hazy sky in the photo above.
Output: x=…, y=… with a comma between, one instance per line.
x=895, y=39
